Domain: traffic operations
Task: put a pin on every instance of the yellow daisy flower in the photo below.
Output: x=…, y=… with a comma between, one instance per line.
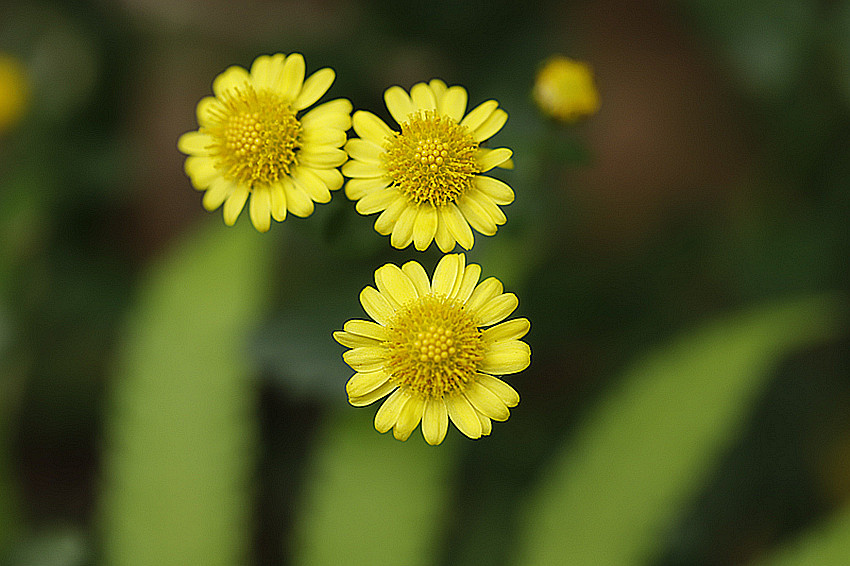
x=429, y=350
x=564, y=89
x=253, y=142
x=426, y=180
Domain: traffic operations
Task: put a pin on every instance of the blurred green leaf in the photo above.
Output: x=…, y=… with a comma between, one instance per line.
x=370, y=499
x=828, y=543
x=181, y=433
x=645, y=450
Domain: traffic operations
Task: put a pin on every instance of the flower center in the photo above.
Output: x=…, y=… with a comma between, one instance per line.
x=256, y=138
x=434, y=346
x=432, y=159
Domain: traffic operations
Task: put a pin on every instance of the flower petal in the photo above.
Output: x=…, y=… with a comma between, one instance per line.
x=372, y=396
x=366, y=358
x=497, y=309
x=506, y=357
x=395, y=285
x=266, y=71
x=376, y=201
x=488, y=289
x=435, y=421
x=356, y=189
x=232, y=78
x=439, y=88
x=362, y=384
x=486, y=425
x=278, y=197
x=324, y=158
x=493, y=212
x=376, y=305
x=353, y=340
x=497, y=190
x=364, y=150
x=332, y=178
x=423, y=97
x=416, y=273
x=399, y=104
x=490, y=126
x=220, y=189
x=209, y=111
x=513, y=329
x=466, y=284
x=201, y=171
x=362, y=170
x=314, y=87
x=311, y=184
x=195, y=143
x=366, y=328
x=476, y=216
x=409, y=417
x=369, y=127
x=402, y=233
x=486, y=402
x=445, y=240
x=463, y=415
x=292, y=78
x=332, y=114
x=506, y=393
x=234, y=204
x=386, y=221
x=387, y=415
x=425, y=227
x=297, y=200
x=489, y=158
x=260, y=208
x=445, y=274
x=457, y=225
x=479, y=114
x=453, y=103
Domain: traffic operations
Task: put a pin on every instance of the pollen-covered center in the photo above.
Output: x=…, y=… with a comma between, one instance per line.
x=432, y=159
x=434, y=346
x=256, y=136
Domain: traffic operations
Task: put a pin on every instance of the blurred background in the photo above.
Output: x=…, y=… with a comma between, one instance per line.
x=169, y=389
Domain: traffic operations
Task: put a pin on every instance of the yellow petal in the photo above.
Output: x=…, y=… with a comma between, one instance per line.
x=323, y=158
x=435, y=421
x=486, y=425
x=506, y=393
x=356, y=189
x=370, y=127
x=365, y=358
x=445, y=240
x=402, y=233
x=366, y=328
x=479, y=114
x=266, y=71
x=353, y=340
x=364, y=150
x=311, y=184
x=496, y=310
x=425, y=227
x=209, y=111
x=486, y=402
x=476, y=216
x=439, y=88
x=398, y=103
x=332, y=114
x=395, y=285
x=332, y=178
x=387, y=415
x=423, y=97
x=234, y=204
x=292, y=77
x=386, y=221
x=220, y=189
x=260, y=208
x=509, y=330
x=297, y=201
x=362, y=170
x=488, y=207
x=364, y=383
x=446, y=273
x=463, y=415
x=488, y=289
x=232, y=78
x=506, y=357
x=490, y=126
x=408, y=417
x=489, y=158
x=376, y=201
x=278, y=202
x=466, y=284
x=201, y=171
x=457, y=225
x=195, y=143
x=453, y=103
x=314, y=88
x=497, y=190
x=372, y=396
x=416, y=273
x=376, y=305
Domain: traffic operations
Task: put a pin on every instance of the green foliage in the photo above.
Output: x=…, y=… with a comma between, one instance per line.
x=370, y=499
x=612, y=491
x=828, y=543
x=181, y=427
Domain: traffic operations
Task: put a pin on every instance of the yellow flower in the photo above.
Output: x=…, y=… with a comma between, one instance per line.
x=564, y=89
x=253, y=142
x=426, y=180
x=14, y=91
x=429, y=350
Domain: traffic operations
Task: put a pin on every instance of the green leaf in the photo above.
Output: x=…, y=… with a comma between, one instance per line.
x=371, y=499
x=181, y=430
x=651, y=443
x=827, y=543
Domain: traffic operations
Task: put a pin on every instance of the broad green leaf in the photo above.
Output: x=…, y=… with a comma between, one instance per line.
x=652, y=441
x=181, y=430
x=827, y=543
x=371, y=500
